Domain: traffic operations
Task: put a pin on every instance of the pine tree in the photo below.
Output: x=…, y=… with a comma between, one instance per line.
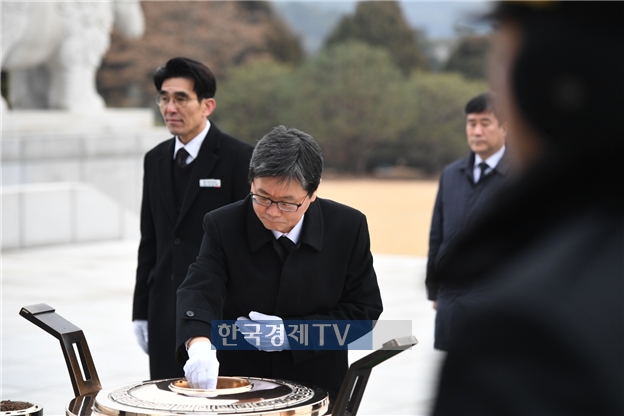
x=382, y=24
x=470, y=56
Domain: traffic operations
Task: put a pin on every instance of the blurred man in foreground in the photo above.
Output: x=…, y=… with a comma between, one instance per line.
x=550, y=339
x=467, y=186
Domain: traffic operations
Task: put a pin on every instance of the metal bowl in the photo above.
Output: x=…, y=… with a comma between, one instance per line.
x=225, y=385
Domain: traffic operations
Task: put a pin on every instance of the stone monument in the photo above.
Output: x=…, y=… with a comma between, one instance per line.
x=71, y=168
x=52, y=50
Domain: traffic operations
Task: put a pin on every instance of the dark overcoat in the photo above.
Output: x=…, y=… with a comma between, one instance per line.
x=549, y=339
x=458, y=202
x=170, y=240
x=329, y=275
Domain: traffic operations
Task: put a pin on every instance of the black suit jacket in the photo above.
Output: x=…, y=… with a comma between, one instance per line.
x=170, y=240
x=329, y=275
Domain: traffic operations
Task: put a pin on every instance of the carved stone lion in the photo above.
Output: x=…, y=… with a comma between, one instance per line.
x=52, y=50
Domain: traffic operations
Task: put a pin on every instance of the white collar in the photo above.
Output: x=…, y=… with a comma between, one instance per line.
x=194, y=145
x=293, y=234
x=491, y=161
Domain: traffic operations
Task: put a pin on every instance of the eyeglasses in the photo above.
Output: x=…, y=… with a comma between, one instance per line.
x=282, y=206
x=179, y=101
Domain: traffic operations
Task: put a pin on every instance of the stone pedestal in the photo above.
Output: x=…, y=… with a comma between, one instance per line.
x=104, y=151
x=26, y=122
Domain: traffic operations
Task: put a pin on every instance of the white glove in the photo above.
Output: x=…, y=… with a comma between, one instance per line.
x=202, y=368
x=265, y=332
x=140, y=331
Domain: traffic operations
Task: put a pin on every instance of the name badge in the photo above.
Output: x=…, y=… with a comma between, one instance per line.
x=210, y=183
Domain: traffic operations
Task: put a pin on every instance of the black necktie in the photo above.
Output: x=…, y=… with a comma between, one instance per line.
x=286, y=244
x=181, y=157
x=483, y=166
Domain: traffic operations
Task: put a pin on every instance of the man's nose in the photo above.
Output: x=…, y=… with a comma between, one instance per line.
x=171, y=107
x=273, y=210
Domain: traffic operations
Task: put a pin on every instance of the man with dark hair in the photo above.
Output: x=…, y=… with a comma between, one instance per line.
x=466, y=187
x=196, y=171
x=280, y=254
x=549, y=338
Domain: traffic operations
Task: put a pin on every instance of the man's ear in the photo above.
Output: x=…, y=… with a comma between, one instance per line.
x=208, y=106
x=505, y=127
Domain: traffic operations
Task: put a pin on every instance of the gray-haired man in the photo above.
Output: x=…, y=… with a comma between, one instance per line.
x=244, y=273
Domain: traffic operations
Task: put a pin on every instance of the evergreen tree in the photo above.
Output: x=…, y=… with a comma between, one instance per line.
x=436, y=133
x=382, y=24
x=470, y=56
x=252, y=98
x=283, y=45
x=349, y=98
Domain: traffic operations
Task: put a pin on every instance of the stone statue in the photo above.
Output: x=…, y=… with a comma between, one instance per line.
x=53, y=50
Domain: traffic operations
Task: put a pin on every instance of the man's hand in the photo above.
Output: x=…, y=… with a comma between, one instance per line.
x=202, y=368
x=435, y=304
x=265, y=332
x=140, y=331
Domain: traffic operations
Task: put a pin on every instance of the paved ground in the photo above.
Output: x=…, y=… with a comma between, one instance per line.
x=91, y=286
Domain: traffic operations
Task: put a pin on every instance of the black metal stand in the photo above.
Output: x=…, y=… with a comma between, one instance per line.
x=354, y=384
x=82, y=372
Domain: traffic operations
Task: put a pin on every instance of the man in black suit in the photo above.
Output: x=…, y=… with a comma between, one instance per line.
x=549, y=339
x=198, y=170
x=466, y=187
x=324, y=272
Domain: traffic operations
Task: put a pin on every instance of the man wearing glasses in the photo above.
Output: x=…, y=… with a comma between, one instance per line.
x=281, y=254
x=196, y=171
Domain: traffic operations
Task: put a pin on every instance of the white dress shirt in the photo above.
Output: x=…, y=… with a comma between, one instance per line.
x=293, y=234
x=491, y=161
x=193, y=146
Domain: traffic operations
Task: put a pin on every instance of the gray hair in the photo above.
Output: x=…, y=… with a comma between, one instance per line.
x=288, y=154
